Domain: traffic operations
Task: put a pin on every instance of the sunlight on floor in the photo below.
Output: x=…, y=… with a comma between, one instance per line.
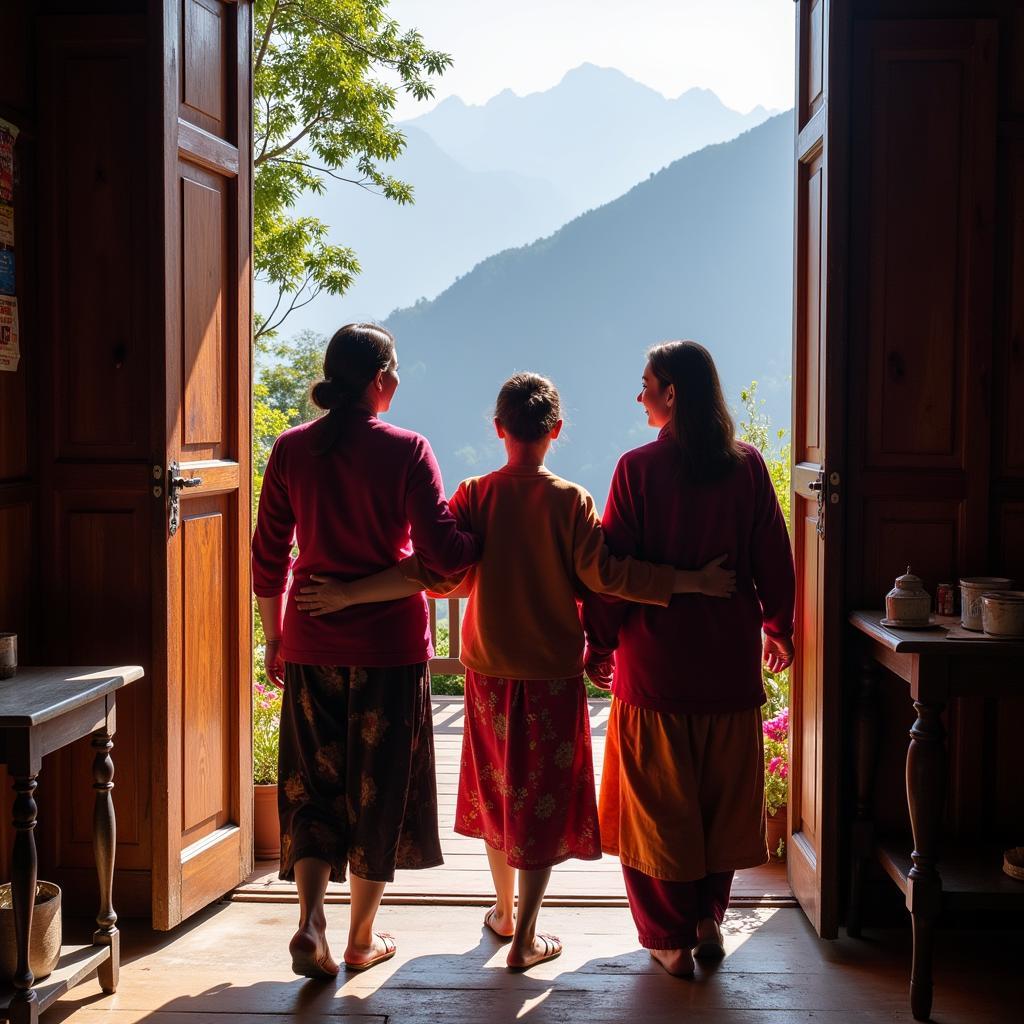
x=741, y=925
x=531, y=1004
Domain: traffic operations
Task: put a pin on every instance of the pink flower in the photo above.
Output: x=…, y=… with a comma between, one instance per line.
x=777, y=728
x=778, y=766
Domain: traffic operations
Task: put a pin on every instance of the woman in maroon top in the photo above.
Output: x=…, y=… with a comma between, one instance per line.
x=356, y=771
x=682, y=795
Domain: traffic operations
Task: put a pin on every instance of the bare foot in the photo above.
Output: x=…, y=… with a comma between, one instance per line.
x=678, y=962
x=541, y=949
x=311, y=956
x=709, y=940
x=502, y=925
x=381, y=948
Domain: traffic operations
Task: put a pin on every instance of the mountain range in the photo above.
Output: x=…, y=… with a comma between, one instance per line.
x=502, y=174
x=702, y=249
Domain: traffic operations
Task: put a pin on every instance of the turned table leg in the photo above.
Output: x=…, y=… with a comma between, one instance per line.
x=24, y=1008
x=926, y=776
x=104, y=839
x=863, y=832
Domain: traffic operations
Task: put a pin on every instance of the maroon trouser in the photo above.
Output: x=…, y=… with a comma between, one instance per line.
x=666, y=913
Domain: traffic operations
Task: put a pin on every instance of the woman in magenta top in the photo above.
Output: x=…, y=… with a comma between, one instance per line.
x=354, y=495
x=682, y=794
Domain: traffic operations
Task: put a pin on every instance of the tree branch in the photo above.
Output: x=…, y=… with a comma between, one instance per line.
x=293, y=305
x=265, y=42
x=361, y=182
x=263, y=157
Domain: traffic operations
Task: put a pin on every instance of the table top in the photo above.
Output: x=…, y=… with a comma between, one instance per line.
x=934, y=640
x=36, y=694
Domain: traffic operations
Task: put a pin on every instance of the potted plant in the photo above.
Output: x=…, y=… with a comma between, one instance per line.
x=776, y=779
x=266, y=722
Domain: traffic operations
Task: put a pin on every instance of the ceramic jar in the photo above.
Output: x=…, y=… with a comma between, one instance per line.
x=1002, y=613
x=908, y=603
x=971, y=589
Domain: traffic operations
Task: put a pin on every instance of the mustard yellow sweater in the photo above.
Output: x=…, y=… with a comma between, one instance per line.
x=543, y=545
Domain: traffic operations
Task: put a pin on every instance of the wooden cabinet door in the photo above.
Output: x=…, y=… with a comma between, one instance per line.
x=202, y=719
x=818, y=473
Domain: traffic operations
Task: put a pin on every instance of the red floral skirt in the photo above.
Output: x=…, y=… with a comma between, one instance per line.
x=526, y=784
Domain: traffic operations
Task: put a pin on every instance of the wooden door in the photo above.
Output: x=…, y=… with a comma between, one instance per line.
x=202, y=723
x=817, y=453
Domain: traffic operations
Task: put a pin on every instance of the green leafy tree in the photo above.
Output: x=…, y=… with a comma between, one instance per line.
x=286, y=371
x=267, y=422
x=326, y=76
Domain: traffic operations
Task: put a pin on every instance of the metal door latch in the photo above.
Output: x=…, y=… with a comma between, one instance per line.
x=175, y=482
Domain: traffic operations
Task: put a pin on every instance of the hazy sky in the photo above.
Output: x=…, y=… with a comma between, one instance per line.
x=741, y=49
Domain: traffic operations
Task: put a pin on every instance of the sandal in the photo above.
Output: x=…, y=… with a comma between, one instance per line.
x=501, y=936
x=390, y=948
x=552, y=949
x=307, y=962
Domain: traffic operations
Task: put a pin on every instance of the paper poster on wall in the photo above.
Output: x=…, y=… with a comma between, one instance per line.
x=6, y=225
x=7, y=272
x=8, y=134
x=10, y=353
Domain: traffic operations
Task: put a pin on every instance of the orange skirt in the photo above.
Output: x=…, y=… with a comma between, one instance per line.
x=682, y=796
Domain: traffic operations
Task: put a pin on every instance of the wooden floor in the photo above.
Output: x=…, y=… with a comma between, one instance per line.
x=230, y=966
x=465, y=879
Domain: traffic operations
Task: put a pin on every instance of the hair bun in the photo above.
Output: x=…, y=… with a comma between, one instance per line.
x=326, y=394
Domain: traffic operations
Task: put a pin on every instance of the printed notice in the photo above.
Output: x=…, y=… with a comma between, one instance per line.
x=7, y=272
x=8, y=134
x=10, y=353
x=6, y=225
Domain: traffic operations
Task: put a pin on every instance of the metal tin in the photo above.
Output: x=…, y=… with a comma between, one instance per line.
x=944, y=599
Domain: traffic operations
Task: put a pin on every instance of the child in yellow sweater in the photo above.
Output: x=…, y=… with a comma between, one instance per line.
x=526, y=784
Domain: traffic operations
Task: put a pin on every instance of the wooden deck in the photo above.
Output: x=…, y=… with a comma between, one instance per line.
x=465, y=877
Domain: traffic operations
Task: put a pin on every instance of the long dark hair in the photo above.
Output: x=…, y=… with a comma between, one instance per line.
x=354, y=356
x=701, y=424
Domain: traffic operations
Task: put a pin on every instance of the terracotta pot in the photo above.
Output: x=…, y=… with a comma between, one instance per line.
x=266, y=826
x=776, y=829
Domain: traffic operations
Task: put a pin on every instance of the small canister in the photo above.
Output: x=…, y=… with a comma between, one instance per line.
x=944, y=599
x=971, y=589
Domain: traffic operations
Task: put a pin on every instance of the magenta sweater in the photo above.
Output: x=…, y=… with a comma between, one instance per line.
x=370, y=502
x=700, y=654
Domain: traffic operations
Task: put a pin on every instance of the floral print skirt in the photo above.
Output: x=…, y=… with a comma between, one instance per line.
x=526, y=784
x=356, y=770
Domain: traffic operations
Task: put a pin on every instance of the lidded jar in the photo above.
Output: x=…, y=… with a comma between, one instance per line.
x=908, y=602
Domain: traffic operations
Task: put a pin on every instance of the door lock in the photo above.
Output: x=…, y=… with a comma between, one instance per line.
x=175, y=483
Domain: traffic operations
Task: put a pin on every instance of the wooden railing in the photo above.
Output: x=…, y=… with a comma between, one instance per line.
x=452, y=665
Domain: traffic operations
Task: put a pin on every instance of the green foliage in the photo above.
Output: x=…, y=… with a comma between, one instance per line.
x=326, y=76
x=267, y=422
x=287, y=369
x=755, y=429
x=266, y=725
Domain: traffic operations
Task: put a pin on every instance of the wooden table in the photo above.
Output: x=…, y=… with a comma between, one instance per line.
x=935, y=668
x=42, y=710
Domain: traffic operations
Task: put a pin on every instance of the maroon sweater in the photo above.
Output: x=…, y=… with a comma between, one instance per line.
x=700, y=654
x=361, y=508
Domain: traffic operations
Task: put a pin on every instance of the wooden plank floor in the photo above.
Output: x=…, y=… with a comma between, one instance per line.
x=464, y=878
x=230, y=966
